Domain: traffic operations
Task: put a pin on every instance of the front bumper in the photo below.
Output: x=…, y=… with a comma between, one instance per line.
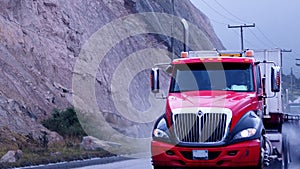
x=236, y=155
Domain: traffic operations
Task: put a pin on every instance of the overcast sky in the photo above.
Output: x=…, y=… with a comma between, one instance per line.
x=277, y=24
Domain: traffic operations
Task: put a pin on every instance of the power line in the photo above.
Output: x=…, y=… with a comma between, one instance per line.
x=266, y=37
x=239, y=19
x=218, y=22
x=222, y=23
x=262, y=42
x=235, y=32
x=242, y=20
x=230, y=13
x=216, y=11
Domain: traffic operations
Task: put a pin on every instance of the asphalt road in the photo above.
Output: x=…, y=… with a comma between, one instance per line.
x=141, y=163
x=144, y=162
x=293, y=133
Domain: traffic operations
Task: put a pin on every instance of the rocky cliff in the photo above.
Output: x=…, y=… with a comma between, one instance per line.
x=41, y=41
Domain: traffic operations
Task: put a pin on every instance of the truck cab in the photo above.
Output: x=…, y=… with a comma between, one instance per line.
x=214, y=112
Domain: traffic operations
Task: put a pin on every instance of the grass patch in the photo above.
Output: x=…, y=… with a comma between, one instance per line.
x=39, y=155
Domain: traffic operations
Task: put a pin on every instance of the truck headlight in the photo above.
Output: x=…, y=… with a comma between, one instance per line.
x=249, y=127
x=245, y=133
x=160, y=129
x=160, y=133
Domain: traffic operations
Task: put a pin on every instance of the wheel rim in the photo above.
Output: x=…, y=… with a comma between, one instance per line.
x=262, y=153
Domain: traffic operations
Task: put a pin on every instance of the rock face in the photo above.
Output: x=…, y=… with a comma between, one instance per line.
x=11, y=156
x=40, y=42
x=92, y=143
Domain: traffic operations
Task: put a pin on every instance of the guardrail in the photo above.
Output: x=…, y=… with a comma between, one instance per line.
x=291, y=117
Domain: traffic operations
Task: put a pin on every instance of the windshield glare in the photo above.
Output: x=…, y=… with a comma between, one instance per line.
x=212, y=76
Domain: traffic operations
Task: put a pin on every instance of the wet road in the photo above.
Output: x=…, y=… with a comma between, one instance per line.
x=142, y=163
x=293, y=133
x=292, y=130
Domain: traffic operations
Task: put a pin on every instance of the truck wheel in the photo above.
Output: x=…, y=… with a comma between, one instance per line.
x=285, y=152
x=263, y=149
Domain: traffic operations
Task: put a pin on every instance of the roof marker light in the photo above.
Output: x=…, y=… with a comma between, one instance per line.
x=249, y=53
x=184, y=54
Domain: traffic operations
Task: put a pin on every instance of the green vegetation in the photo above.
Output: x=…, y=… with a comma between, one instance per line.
x=65, y=123
x=39, y=151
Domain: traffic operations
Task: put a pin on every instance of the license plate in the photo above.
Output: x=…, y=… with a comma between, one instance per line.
x=200, y=154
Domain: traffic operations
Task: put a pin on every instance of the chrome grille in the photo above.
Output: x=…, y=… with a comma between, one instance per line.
x=204, y=128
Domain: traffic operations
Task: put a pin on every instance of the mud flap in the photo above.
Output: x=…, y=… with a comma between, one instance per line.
x=285, y=152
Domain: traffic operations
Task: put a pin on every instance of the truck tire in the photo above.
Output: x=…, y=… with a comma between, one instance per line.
x=260, y=164
x=261, y=155
x=285, y=152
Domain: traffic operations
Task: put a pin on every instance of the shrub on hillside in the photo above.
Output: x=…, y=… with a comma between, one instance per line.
x=65, y=122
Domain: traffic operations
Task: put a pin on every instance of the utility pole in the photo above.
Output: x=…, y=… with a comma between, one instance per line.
x=286, y=50
x=291, y=83
x=241, y=28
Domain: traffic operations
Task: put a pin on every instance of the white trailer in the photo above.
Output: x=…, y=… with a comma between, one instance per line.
x=273, y=102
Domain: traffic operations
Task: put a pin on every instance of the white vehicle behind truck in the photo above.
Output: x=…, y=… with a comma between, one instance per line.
x=273, y=103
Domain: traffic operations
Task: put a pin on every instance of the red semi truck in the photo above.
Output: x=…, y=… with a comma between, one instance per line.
x=223, y=109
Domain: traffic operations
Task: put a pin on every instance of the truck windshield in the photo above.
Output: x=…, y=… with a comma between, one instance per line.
x=212, y=76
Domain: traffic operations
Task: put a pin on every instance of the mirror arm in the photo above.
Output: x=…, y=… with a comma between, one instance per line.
x=268, y=97
x=160, y=97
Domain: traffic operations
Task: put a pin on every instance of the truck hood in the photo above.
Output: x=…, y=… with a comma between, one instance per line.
x=238, y=102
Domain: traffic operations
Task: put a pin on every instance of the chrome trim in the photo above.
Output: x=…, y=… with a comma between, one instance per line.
x=190, y=126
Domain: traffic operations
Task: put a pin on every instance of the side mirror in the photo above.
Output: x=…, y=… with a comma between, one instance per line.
x=275, y=79
x=154, y=79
